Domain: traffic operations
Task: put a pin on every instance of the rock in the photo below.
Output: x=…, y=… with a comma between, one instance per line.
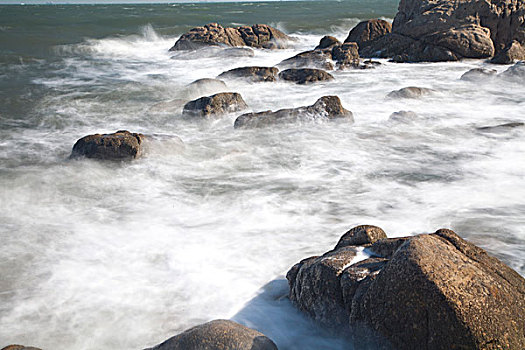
x=203, y=87
x=305, y=75
x=258, y=74
x=432, y=289
x=212, y=51
x=121, y=145
x=346, y=55
x=514, y=51
x=501, y=127
x=218, y=104
x=410, y=92
x=478, y=74
x=515, y=72
x=258, y=36
x=236, y=52
x=19, y=347
x=367, y=31
x=327, y=42
x=327, y=107
x=403, y=117
x=218, y=335
x=361, y=235
x=320, y=59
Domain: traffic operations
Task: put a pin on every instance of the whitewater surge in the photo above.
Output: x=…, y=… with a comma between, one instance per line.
x=125, y=255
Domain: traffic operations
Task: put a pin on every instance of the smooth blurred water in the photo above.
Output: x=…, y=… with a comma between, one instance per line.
x=122, y=256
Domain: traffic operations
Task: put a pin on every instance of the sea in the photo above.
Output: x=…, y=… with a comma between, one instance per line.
x=123, y=255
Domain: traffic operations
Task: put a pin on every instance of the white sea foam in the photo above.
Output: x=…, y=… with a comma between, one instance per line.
x=123, y=256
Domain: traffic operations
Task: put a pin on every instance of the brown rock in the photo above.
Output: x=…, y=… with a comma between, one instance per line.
x=327, y=42
x=121, y=145
x=305, y=75
x=218, y=335
x=514, y=51
x=258, y=35
x=346, y=55
x=257, y=74
x=410, y=92
x=218, y=104
x=361, y=235
x=320, y=59
x=19, y=347
x=368, y=31
x=327, y=107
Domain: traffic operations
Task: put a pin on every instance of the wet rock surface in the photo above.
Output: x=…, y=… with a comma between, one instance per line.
x=501, y=127
x=256, y=74
x=410, y=92
x=478, y=74
x=433, y=289
x=327, y=107
x=215, y=105
x=218, y=335
x=403, y=117
x=305, y=75
x=258, y=36
x=121, y=145
x=368, y=31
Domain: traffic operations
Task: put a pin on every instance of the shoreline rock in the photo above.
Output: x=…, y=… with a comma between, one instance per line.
x=434, y=289
x=121, y=145
x=305, y=75
x=218, y=335
x=215, y=105
x=256, y=74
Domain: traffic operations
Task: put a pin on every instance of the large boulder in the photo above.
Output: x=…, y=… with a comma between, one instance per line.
x=444, y=30
x=121, y=145
x=218, y=335
x=367, y=31
x=215, y=105
x=432, y=289
x=258, y=36
x=257, y=74
x=305, y=75
x=327, y=107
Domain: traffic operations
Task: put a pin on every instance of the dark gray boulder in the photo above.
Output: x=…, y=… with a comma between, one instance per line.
x=305, y=75
x=218, y=335
x=410, y=92
x=256, y=74
x=121, y=145
x=432, y=289
x=258, y=36
x=327, y=107
x=215, y=105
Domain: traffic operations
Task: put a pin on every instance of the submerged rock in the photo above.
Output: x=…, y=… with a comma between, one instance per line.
x=19, y=347
x=218, y=104
x=515, y=72
x=403, y=117
x=327, y=107
x=305, y=75
x=121, y=145
x=257, y=74
x=218, y=335
x=478, y=74
x=444, y=30
x=258, y=36
x=367, y=31
x=320, y=59
x=205, y=86
x=432, y=289
x=501, y=127
x=410, y=92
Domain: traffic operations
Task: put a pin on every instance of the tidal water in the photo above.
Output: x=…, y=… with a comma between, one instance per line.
x=98, y=255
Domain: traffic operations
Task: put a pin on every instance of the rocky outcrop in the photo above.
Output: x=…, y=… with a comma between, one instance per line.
x=368, y=31
x=305, y=75
x=19, y=347
x=218, y=335
x=327, y=107
x=328, y=52
x=215, y=105
x=121, y=145
x=256, y=74
x=478, y=74
x=410, y=92
x=445, y=30
x=258, y=36
x=432, y=290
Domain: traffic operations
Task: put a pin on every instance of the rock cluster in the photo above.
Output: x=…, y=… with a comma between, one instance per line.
x=218, y=335
x=444, y=30
x=121, y=145
x=258, y=36
x=327, y=107
x=432, y=290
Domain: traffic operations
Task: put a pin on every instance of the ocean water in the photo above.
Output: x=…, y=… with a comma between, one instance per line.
x=124, y=255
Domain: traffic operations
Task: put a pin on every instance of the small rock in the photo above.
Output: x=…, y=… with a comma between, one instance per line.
x=515, y=72
x=410, y=92
x=121, y=145
x=360, y=235
x=327, y=42
x=328, y=107
x=218, y=104
x=305, y=75
x=218, y=335
x=478, y=74
x=346, y=55
x=204, y=87
x=320, y=59
x=501, y=127
x=257, y=74
x=403, y=117
x=19, y=347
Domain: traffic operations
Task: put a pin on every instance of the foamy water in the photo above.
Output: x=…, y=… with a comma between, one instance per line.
x=125, y=255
